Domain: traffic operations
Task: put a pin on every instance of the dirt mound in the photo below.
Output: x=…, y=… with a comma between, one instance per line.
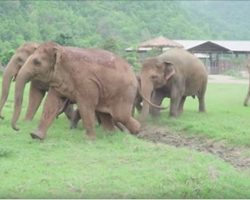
x=236, y=156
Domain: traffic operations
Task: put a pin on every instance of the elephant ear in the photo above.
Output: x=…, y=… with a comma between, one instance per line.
x=169, y=70
x=58, y=54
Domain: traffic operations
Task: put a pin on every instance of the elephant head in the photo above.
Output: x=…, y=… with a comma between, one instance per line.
x=40, y=66
x=13, y=67
x=154, y=74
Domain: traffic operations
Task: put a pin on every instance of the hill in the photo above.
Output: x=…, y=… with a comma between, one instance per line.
x=115, y=25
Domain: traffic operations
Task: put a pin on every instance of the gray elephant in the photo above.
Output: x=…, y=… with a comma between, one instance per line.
x=175, y=74
x=248, y=92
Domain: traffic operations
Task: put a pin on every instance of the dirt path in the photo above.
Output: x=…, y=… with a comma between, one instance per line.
x=234, y=155
x=226, y=79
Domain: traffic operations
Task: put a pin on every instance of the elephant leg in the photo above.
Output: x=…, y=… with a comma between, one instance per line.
x=157, y=98
x=175, y=98
x=181, y=105
x=98, y=118
x=75, y=119
x=123, y=115
x=107, y=121
x=87, y=101
x=88, y=119
x=69, y=111
x=51, y=107
x=201, y=99
x=247, y=98
x=137, y=104
x=35, y=99
x=119, y=126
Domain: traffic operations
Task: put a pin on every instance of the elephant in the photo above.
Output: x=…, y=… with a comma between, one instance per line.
x=175, y=74
x=37, y=88
x=138, y=98
x=248, y=92
x=76, y=116
x=11, y=71
x=94, y=79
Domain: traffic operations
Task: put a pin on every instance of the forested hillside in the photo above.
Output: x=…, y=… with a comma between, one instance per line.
x=115, y=25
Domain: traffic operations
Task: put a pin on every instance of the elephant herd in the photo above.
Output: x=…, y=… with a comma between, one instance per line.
x=101, y=84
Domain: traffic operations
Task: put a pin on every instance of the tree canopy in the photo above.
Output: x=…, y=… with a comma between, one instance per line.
x=115, y=25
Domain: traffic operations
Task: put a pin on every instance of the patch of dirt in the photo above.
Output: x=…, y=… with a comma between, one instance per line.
x=236, y=156
x=226, y=79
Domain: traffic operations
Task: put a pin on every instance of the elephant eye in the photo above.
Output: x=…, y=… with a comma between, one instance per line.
x=37, y=62
x=20, y=60
x=153, y=77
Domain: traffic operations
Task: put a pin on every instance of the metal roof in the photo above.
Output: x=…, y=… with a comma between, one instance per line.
x=201, y=46
x=234, y=46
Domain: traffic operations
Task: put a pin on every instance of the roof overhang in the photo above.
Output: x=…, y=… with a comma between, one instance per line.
x=208, y=47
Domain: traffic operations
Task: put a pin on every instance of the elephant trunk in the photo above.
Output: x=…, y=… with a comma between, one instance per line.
x=21, y=80
x=146, y=91
x=7, y=76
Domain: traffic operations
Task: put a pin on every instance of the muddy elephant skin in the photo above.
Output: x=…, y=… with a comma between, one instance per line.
x=175, y=74
x=94, y=79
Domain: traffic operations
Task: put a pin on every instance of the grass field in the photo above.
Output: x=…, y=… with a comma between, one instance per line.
x=119, y=165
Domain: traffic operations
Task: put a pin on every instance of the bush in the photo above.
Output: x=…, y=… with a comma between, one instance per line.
x=6, y=56
x=232, y=72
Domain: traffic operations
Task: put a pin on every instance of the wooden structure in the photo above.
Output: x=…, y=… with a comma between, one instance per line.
x=160, y=43
x=220, y=55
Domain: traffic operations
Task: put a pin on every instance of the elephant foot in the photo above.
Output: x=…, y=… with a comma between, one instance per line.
x=91, y=137
x=173, y=116
x=73, y=126
x=37, y=135
x=133, y=126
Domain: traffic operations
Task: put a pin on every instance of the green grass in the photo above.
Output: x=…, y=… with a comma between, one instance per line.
x=226, y=118
x=119, y=165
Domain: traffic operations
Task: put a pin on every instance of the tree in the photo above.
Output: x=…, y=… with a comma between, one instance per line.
x=110, y=44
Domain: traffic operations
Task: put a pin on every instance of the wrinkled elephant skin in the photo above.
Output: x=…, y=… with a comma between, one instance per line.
x=94, y=79
x=175, y=74
x=12, y=69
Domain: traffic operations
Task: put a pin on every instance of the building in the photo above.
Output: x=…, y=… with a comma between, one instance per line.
x=218, y=56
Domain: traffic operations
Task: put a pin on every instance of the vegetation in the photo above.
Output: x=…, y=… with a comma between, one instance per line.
x=119, y=165
x=226, y=118
x=116, y=25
